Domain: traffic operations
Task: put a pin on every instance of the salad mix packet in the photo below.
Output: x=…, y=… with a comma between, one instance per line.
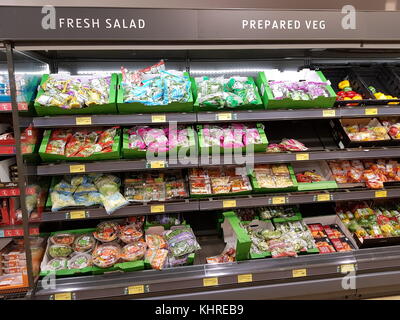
x=145, y=138
x=81, y=142
x=236, y=135
x=155, y=86
x=221, y=92
x=74, y=92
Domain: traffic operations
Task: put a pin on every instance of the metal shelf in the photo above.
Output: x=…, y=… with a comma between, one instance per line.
x=214, y=116
x=205, y=161
x=112, y=119
x=223, y=203
x=188, y=205
x=112, y=166
x=295, y=198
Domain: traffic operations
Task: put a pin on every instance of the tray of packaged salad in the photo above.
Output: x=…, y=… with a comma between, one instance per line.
x=295, y=89
x=82, y=191
x=154, y=89
x=143, y=141
x=233, y=138
x=61, y=94
x=80, y=144
x=221, y=93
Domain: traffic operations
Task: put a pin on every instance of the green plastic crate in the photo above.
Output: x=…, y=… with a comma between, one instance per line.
x=109, y=108
x=137, y=107
x=128, y=153
x=243, y=241
x=287, y=103
x=262, y=147
x=258, y=189
x=113, y=155
x=259, y=105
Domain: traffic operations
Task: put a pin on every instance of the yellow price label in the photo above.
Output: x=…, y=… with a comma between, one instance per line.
x=157, y=164
x=136, y=289
x=381, y=194
x=242, y=278
x=83, y=121
x=77, y=168
x=346, y=268
x=229, y=204
x=157, y=208
x=329, y=113
x=208, y=282
x=63, y=296
x=224, y=116
x=278, y=200
x=299, y=273
x=158, y=118
x=323, y=197
x=302, y=156
x=77, y=214
x=371, y=111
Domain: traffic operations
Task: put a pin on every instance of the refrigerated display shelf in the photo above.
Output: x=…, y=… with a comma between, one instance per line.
x=112, y=119
x=204, y=161
x=199, y=277
x=308, y=275
x=222, y=203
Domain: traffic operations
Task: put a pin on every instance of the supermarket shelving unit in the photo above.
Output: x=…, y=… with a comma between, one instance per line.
x=377, y=271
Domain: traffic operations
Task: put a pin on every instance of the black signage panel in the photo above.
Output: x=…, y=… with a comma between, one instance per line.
x=107, y=24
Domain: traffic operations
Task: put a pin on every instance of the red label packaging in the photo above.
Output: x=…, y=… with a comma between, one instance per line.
x=317, y=230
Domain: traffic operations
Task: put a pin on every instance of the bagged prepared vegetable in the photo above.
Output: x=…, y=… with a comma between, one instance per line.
x=155, y=241
x=157, y=258
x=181, y=241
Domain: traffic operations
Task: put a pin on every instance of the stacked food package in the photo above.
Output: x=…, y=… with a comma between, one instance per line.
x=113, y=243
x=236, y=135
x=218, y=181
x=155, y=187
x=366, y=131
x=329, y=238
x=81, y=142
x=272, y=176
x=370, y=221
x=374, y=173
x=283, y=239
x=144, y=138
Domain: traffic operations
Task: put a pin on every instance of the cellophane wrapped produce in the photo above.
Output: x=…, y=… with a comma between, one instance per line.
x=155, y=86
x=74, y=92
